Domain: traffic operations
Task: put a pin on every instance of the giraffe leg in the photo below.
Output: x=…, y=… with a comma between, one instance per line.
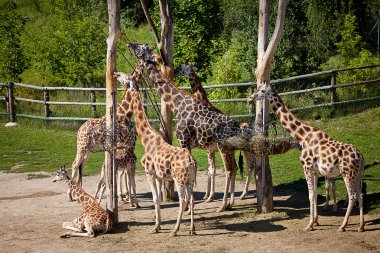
x=250, y=164
x=210, y=190
x=315, y=200
x=309, y=175
x=190, y=196
x=90, y=232
x=132, y=183
x=333, y=191
x=156, y=201
x=181, y=195
x=352, y=196
x=230, y=171
x=327, y=189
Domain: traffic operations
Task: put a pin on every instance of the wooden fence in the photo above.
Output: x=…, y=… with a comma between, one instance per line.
x=10, y=99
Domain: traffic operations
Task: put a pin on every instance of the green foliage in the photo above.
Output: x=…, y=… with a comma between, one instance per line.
x=226, y=70
x=68, y=49
x=351, y=54
x=13, y=61
x=197, y=25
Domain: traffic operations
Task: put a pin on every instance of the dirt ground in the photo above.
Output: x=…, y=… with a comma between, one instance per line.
x=32, y=213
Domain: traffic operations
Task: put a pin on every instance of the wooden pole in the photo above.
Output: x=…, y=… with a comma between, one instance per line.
x=265, y=53
x=11, y=103
x=111, y=90
x=93, y=107
x=47, y=107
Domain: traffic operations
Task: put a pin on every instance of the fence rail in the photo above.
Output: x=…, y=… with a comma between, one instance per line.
x=10, y=99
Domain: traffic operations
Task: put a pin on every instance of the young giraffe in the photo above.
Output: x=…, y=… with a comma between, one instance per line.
x=162, y=161
x=91, y=135
x=199, y=93
x=92, y=219
x=126, y=164
x=320, y=155
x=196, y=123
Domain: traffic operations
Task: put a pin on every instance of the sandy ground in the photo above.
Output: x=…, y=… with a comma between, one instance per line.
x=32, y=213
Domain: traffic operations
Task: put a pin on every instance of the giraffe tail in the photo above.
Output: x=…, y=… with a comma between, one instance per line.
x=241, y=165
x=108, y=224
x=193, y=166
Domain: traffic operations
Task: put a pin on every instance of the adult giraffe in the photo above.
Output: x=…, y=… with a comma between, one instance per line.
x=320, y=155
x=199, y=93
x=196, y=123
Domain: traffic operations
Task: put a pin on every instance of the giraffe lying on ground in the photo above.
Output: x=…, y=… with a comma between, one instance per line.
x=196, y=123
x=161, y=161
x=92, y=219
x=91, y=135
x=320, y=155
x=199, y=93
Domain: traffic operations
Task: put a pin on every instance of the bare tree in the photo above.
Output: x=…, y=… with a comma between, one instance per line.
x=265, y=53
x=165, y=47
x=111, y=89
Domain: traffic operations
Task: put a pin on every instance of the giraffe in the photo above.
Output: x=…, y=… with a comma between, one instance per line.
x=91, y=135
x=126, y=165
x=196, y=123
x=199, y=93
x=163, y=161
x=320, y=155
x=92, y=219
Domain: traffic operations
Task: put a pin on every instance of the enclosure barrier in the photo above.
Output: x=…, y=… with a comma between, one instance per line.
x=10, y=99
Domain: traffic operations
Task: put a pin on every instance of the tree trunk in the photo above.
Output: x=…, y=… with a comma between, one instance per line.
x=265, y=53
x=111, y=89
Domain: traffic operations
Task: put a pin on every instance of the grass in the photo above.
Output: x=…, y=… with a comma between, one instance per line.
x=39, y=147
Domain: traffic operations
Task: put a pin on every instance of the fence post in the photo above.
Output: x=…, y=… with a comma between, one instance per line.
x=251, y=105
x=11, y=104
x=93, y=100
x=46, y=100
x=334, y=97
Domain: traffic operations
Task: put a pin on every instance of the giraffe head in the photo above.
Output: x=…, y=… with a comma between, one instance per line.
x=142, y=52
x=61, y=175
x=129, y=81
x=184, y=69
x=263, y=91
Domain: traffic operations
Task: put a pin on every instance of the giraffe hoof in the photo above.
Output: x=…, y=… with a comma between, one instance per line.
x=307, y=229
x=361, y=230
x=65, y=235
x=316, y=223
x=221, y=209
x=192, y=233
x=174, y=233
x=242, y=196
x=208, y=200
x=154, y=231
x=341, y=229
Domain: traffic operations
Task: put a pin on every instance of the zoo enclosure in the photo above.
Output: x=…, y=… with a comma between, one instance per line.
x=332, y=87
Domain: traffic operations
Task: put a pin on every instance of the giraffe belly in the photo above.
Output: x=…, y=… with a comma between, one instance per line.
x=327, y=170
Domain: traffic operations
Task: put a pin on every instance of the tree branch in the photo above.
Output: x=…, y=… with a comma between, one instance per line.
x=150, y=21
x=275, y=39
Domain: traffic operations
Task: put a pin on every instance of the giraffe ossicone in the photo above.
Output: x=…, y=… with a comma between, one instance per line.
x=320, y=154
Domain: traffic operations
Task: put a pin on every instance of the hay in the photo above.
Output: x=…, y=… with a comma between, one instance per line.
x=259, y=145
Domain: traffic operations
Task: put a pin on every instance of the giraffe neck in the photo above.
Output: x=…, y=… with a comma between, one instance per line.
x=298, y=129
x=124, y=108
x=198, y=90
x=143, y=128
x=169, y=92
x=78, y=193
